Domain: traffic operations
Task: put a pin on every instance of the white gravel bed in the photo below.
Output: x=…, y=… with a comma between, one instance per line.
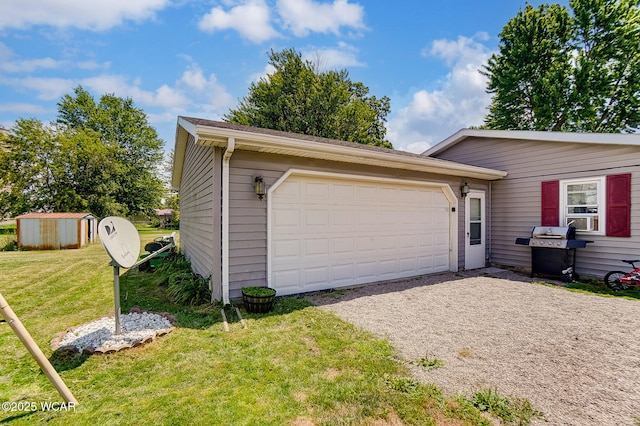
x=575, y=356
x=99, y=336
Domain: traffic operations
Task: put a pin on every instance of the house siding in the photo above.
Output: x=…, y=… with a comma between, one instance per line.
x=516, y=199
x=248, y=214
x=200, y=212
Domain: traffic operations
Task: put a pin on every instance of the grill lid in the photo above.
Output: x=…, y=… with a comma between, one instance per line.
x=554, y=232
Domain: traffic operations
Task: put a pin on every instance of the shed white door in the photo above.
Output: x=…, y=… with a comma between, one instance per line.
x=328, y=232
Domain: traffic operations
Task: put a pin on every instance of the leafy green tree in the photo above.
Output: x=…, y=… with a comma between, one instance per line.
x=100, y=158
x=564, y=71
x=299, y=98
x=136, y=147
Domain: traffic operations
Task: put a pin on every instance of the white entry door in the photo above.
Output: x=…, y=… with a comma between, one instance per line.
x=474, y=253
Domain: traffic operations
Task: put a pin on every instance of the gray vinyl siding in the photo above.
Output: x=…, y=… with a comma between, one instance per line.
x=516, y=201
x=200, y=212
x=248, y=214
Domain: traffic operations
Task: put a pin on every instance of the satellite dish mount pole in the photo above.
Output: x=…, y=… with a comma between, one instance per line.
x=116, y=295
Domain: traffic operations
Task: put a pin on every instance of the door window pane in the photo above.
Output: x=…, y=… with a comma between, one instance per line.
x=475, y=221
x=475, y=231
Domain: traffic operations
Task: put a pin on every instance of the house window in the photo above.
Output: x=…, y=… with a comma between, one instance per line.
x=586, y=202
x=583, y=204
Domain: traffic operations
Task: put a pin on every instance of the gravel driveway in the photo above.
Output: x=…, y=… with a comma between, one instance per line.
x=576, y=357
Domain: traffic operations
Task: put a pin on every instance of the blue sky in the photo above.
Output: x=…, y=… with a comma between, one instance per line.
x=198, y=57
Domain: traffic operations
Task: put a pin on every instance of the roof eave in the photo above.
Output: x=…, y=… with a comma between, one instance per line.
x=542, y=136
x=275, y=144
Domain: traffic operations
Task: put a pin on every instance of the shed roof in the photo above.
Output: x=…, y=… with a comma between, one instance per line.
x=562, y=137
x=217, y=134
x=38, y=215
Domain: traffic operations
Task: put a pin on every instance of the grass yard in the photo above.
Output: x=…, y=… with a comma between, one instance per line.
x=297, y=365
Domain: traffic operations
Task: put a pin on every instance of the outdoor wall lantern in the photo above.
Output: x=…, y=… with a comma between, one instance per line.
x=464, y=189
x=260, y=187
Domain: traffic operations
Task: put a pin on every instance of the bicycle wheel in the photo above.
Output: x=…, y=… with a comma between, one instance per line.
x=612, y=280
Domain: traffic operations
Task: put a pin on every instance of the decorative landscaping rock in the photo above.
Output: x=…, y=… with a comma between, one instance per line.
x=137, y=328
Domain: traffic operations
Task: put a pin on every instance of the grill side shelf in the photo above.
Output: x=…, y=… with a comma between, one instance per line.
x=523, y=241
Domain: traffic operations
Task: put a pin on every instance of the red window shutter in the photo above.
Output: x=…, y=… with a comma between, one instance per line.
x=550, y=203
x=619, y=205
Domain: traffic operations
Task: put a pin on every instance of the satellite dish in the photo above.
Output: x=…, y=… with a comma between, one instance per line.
x=120, y=239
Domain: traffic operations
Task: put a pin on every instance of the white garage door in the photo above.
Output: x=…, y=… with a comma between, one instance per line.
x=331, y=231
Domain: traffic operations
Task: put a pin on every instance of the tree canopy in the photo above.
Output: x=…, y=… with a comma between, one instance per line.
x=298, y=97
x=99, y=157
x=568, y=70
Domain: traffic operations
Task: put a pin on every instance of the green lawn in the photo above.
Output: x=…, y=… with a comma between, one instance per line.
x=298, y=365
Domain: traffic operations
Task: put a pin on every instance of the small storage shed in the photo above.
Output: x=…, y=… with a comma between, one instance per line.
x=55, y=231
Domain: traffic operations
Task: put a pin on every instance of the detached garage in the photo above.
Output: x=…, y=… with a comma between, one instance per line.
x=300, y=213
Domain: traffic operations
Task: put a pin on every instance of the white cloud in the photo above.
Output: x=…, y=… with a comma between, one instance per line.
x=305, y=16
x=22, y=108
x=47, y=88
x=30, y=65
x=97, y=15
x=459, y=101
x=92, y=65
x=334, y=58
x=162, y=97
x=251, y=19
x=204, y=90
x=5, y=52
x=265, y=73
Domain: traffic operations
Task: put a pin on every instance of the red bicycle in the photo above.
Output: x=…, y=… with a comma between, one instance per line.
x=618, y=280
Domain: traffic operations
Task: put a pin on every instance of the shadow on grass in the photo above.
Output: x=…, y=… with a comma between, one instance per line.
x=148, y=292
x=63, y=360
x=17, y=416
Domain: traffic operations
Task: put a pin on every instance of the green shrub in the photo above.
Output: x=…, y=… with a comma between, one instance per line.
x=511, y=411
x=8, y=229
x=184, y=287
x=8, y=243
x=258, y=291
x=428, y=363
x=187, y=288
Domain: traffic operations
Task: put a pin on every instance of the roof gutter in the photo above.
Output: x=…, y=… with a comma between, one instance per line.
x=210, y=136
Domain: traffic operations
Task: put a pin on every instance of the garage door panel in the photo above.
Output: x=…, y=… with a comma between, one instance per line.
x=316, y=247
x=343, y=274
x=317, y=275
x=407, y=241
x=287, y=279
x=408, y=264
x=343, y=217
x=286, y=250
x=354, y=232
x=342, y=245
x=344, y=191
x=366, y=217
x=316, y=218
x=365, y=269
x=290, y=218
x=366, y=193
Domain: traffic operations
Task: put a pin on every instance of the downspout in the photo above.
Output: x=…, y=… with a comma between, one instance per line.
x=489, y=226
x=225, y=219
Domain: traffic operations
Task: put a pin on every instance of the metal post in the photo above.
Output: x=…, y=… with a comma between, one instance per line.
x=116, y=295
x=34, y=350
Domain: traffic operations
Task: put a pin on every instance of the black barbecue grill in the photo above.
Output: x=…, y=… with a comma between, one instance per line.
x=553, y=251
